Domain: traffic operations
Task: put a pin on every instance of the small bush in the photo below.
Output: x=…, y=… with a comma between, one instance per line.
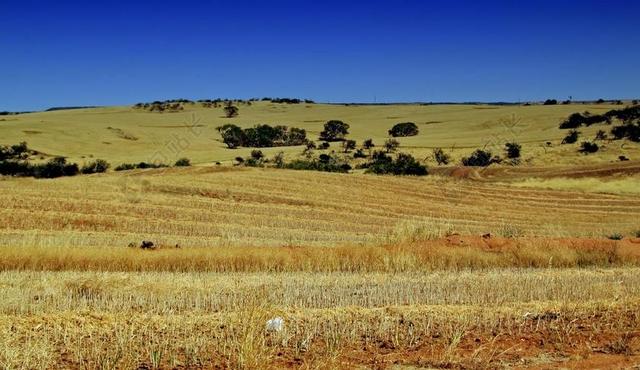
x=588, y=147
x=404, y=164
x=323, y=146
x=183, y=162
x=348, y=145
x=391, y=145
x=615, y=236
x=56, y=167
x=550, y=102
x=404, y=129
x=441, y=157
x=513, y=150
x=142, y=165
x=571, y=137
x=97, y=166
x=480, y=158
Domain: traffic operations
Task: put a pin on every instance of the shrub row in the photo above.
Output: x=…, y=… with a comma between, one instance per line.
x=261, y=136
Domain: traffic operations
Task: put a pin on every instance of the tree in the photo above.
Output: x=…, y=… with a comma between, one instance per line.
x=441, y=157
x=183, y=162
x=391, y=145
x=368, y=144
x=348, y=145
x=571, y=137
x=513, y=150
x=334, y=130
x=98, y=166
x=404, y=164
x=404, y=129
x=230, y=110
x=257, y=154
x=232, y=135
x=601, y=135
x=481, y=158
x=588, y=147
x=550, y=102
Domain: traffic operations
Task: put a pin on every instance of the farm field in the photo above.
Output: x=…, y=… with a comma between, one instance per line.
x=125, y=134
x=529, y=266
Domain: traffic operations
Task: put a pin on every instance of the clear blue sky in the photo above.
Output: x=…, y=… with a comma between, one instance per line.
x=88, y=53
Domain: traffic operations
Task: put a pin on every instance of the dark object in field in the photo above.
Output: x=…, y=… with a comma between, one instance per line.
x=146, y=244
x=547, y=316
x=623, y=158
x=486, y=236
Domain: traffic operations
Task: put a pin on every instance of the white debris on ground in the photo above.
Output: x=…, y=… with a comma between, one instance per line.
x=275, y=325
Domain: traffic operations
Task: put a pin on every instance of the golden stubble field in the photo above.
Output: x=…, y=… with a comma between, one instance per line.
x=125, y=134
x=508, y=267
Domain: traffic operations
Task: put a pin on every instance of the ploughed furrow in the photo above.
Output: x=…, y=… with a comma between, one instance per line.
x=279, y=207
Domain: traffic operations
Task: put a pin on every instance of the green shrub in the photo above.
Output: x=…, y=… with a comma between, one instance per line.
x=97, y=166
x=571, y=137
x=183, y=162
x=56, y=167
x=441, y=157
x=588, y=147
x=334, y=130
x=404, y=129
x=480, y=158
x=404, y=164
x=513, y=150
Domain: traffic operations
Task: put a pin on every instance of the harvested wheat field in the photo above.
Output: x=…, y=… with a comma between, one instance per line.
x=363, y=270
x=310, y=185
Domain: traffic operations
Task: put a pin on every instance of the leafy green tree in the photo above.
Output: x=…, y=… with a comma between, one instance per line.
x=404, y=129
x=334, y=130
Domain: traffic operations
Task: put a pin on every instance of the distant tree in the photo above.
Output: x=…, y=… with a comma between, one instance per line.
x=481, y=158
x=230, y=110
x=601, y=135
x=550, y=102
x=348, y=145
x=404, y=129
x=404, y=164
x=571, y=137
x=278, y=160
x=233, y=136
x=183, y=162
x=97, y=166
x=324, y=145
x=257, y=154
x=588, y=147
x=368, y=144
x=634, y=102
x=359, y=154
x=441, y=157
x=334, y=130
x=512, y=150
x=600, y=101
x=391, y=145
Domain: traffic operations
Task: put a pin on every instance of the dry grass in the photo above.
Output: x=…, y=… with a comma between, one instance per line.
x=210, y=207
x=168, y=320
x=108, y=132
x=455, y=253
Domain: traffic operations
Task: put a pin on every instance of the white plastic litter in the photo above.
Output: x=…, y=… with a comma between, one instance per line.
x=275, y=325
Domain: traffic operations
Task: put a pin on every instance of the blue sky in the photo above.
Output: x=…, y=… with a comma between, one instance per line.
x=87, y=53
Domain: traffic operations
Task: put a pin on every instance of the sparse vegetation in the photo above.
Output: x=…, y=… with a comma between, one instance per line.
x=571, y=137
x=441, y=157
